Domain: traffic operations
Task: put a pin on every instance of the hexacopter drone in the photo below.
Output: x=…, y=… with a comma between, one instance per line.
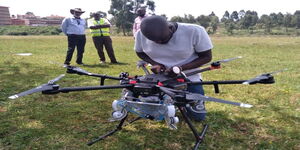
x=152, y=96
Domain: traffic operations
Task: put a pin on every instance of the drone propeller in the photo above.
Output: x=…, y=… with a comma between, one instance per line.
x=43, y=87
x=77, y=70
x=222, y=61
x=264, y=78
x=213, y=65
x=195, y=96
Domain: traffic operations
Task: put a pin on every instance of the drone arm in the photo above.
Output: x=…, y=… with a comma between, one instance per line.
x=167, y=91
x=106, y=76
x=217, y=82
x=79, y=71
x=87, y=88
x=199, y=71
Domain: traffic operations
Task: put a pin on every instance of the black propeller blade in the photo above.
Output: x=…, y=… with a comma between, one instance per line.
x=194, y=96
x=264, y=78
x=222, y=61
x=43, y=87
x=77, y=70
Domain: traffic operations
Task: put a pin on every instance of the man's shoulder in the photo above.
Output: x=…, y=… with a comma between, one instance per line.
x=186, y=27
x=189, y=25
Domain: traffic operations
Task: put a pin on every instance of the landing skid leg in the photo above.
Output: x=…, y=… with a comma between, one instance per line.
x=118, y=128
x=199, y=138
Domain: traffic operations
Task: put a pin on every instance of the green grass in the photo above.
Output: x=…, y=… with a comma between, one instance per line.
x=69, y=121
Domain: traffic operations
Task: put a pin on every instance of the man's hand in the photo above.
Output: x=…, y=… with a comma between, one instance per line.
x=158, y=68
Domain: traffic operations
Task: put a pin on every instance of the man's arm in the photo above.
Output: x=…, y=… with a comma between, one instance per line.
x=100, y=26
x=64, y=26
x=146, y=58
x=134, y=29
x=92, y=26
x=156, y=67
x=203, y=58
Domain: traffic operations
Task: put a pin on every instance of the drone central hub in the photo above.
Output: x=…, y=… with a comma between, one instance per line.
x=145, y=89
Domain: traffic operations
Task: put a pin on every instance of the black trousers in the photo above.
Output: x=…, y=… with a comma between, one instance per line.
x=99, y=42
x=75, y=41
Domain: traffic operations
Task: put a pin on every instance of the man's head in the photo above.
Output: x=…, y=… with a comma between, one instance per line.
x=76, y=12
x=97, y=15
x=141, y=11
x=157, y=29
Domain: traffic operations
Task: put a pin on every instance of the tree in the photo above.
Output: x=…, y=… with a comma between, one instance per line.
x=280, y=19
x=212, y=14
x=189, y=18
x=176, y=19
x=267, y=22
x=234, y=16
x=214, y=23
x=229, y=26
x=287, y=21
x=203, y=20
x=296, y=19
x=165, y=16
x=225, y=16
x=274, y=19
x=249, y=20
x=241, y=14
x=123, y=12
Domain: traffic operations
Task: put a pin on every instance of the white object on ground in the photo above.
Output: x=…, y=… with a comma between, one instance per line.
x=24, y=54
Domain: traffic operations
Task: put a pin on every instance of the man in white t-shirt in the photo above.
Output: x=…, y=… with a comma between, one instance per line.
x=165, y=44
x=141, y=12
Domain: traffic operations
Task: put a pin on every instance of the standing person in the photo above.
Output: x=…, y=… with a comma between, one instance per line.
x=166, y=45
x=100, y=30
x=141, y=12
x=74, y=28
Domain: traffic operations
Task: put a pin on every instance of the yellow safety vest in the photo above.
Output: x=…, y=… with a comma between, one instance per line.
x=102, y=31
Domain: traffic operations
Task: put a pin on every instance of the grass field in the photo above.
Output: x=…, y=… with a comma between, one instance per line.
x=69, y=121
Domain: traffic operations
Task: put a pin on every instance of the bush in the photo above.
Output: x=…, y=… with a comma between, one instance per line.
x=17, y=33
x=30, y=30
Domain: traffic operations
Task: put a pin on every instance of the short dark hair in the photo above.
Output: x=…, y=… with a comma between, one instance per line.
x=153, y=27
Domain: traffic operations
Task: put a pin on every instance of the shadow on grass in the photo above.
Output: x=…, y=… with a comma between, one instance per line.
x=143, y=136
x=105, y=65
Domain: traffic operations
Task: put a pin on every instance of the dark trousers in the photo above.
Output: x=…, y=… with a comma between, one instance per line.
x=75, y=41
x=196, y=112
x=99, y=42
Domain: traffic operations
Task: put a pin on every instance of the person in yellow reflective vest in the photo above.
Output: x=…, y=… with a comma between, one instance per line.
x=100, y=30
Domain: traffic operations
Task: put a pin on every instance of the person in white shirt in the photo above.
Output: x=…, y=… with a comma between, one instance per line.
x=74, y=28
x=166, y=44
x=141, y=12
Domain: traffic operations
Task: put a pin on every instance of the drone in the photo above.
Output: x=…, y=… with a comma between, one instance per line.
x=153, y=96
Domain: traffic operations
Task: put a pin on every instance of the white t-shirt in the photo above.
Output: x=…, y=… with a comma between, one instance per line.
x=181, y=49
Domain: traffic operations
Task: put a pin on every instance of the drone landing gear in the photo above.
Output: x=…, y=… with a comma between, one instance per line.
x=199, y=137
x=118, y=128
